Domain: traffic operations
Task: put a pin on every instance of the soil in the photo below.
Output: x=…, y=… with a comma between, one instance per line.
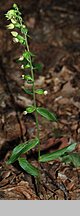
x=54, y=27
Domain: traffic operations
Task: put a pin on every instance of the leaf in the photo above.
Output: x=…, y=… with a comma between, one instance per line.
x=24, y=62
x=38, y=67
x=75, y=158
x=24, y=30
x=29, y=168
x=17, y=25
x=21, y=149
x=21, y=39
x=45, y=113
x=65, y=158
x=27, y=66
x=27, y=91
x=27, y=55
x=72, y=158
x=39, y=91
x=28, y=78
x=57, y=154
x=30, y=109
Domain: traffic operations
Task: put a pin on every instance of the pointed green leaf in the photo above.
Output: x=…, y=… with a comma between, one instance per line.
x=24, y=30
x=72, y=158
x=65, y=158
x=30, y=109
x=21, y=39
x=21, y=149
x=38, y=67
x=39, y=91
x=29, y=168
x=17, y=25
x=27, y=91
x=45, y=113
x=27, y=66
x=27, y=55
x=57, y=154
x=28, y=78
x=75, y=159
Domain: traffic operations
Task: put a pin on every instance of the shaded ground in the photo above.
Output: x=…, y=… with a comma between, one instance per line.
x=55, y=31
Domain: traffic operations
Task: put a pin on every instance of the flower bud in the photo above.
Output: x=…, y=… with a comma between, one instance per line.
x=10, y=26
x=15, y=6
x=22, y=66
x=25, y=112
x=45, y=92
x=21, y=58
x=22, y=76
x=13, y=21
x=14, y=33
x=15, y=40
x=23, y=26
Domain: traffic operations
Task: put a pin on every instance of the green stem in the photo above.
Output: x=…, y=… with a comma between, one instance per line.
x=34, y=97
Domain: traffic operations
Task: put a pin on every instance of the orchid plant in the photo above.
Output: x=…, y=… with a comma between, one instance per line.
x=20, y=35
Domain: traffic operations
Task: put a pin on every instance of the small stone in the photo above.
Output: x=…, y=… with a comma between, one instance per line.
x=78, y=130
x=3, y=104
x=65, y=73
x=23, y=101
x=31, y=22
x=74, y=126
x=67, y=89
x=40, y=81
x=62, y=176
x=63, y=101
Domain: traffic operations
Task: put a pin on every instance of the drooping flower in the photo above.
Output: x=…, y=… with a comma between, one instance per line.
x=10, y=14
x=15, y=40
x=14, y=33
x=10, y=26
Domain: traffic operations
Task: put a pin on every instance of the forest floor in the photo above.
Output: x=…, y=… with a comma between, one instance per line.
x=55, y=39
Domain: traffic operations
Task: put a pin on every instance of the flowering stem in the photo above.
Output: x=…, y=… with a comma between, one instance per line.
x=34, y=96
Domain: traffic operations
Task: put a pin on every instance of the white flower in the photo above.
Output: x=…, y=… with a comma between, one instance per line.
x=21, y=58
x=14, y=33
x=22, y=76
x=10, y=14
x=22, y=66
x=15, y=40
x=25, y=112
x=13, y=21
x=23, y=26
x=45, y=92
x=10, y=26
